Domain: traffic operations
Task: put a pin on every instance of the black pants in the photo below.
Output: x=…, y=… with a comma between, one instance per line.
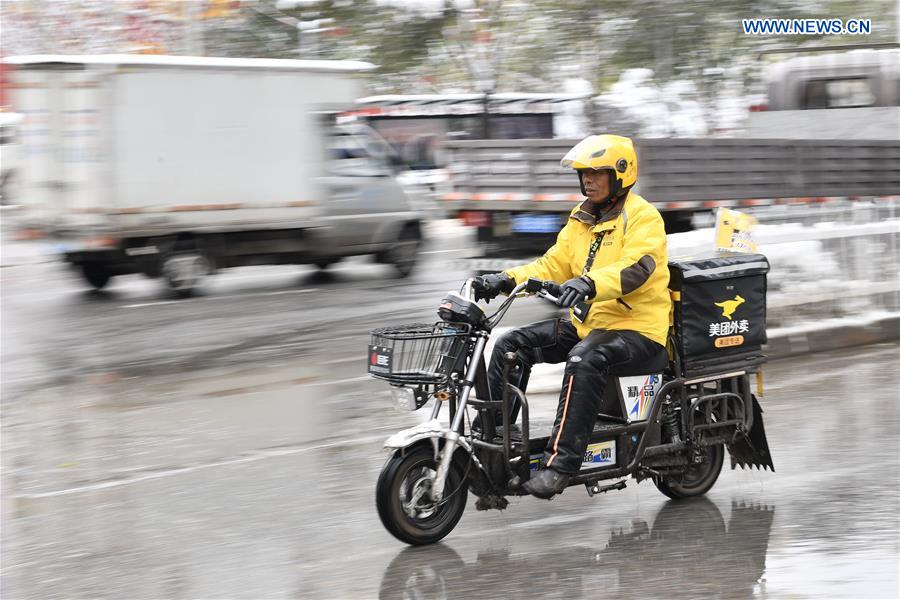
x=588, y=365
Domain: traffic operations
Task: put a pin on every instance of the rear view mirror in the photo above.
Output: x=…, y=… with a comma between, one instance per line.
x=533, y=286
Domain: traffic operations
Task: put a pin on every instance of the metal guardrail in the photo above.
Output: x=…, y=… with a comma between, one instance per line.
x=684, y=170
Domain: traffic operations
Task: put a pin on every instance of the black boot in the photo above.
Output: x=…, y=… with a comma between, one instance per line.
x=546, y=483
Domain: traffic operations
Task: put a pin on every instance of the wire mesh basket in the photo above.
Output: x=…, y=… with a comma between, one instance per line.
x=417, y=354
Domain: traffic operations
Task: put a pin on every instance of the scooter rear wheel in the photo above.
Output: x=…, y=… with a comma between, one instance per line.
x=404, y=505
x=697, y=479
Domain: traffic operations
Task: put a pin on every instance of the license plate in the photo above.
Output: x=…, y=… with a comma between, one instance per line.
x=535, y=223
x=380, y=360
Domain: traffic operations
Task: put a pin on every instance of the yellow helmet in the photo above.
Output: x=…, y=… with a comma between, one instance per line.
x=613, y=153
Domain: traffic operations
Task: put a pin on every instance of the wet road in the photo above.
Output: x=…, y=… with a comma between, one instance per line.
x=228, y=446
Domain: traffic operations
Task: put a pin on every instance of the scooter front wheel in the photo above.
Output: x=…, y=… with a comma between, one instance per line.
x=404, y=502
x=697, y=479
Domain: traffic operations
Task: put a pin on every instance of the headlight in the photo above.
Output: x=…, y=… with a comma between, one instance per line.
x=404, y=398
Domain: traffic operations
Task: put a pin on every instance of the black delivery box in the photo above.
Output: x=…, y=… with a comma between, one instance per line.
x=719, y=311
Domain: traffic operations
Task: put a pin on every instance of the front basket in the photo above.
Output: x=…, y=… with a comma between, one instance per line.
x=419, y=353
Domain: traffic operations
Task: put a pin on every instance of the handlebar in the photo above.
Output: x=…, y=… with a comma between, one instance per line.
x=548, y=290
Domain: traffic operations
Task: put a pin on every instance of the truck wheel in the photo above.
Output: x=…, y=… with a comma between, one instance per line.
x=697, y=479
x=404, y=254
x=404, y=506
x=184, y=271
x=96, y=274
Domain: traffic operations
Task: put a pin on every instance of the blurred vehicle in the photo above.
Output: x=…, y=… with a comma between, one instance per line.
x=838, y=95
x=838, y=108
x=178, y=166
x=418, y=126
x=518, y=197
x=10, y=156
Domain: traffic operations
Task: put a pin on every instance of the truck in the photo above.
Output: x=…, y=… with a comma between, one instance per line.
x=176, y=167
x=517, y=197
x=797, y=150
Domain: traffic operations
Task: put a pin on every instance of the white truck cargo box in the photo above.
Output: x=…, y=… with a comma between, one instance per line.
x=132, y=136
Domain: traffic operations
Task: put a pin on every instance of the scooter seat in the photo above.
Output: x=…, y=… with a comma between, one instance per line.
x=656, y=364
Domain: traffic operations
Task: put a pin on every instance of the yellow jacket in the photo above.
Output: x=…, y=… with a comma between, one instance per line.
x=630, y=269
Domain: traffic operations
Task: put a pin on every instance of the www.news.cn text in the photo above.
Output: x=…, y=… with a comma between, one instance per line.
x=807, y=26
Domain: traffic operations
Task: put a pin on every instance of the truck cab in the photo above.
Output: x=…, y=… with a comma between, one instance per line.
x=836, y=95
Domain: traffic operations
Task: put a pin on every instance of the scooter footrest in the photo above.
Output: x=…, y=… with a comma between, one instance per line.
x=605, y=424
x=515, y=434
x=595, y=488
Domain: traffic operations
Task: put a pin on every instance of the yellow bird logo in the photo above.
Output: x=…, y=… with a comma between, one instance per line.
x=729, y=306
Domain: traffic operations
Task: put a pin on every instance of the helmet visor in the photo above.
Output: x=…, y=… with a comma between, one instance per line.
x=586, y=154
x=571, y=159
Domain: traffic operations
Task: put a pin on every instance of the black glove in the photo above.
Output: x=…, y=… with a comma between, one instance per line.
x=487, y=287
x=576, y=290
